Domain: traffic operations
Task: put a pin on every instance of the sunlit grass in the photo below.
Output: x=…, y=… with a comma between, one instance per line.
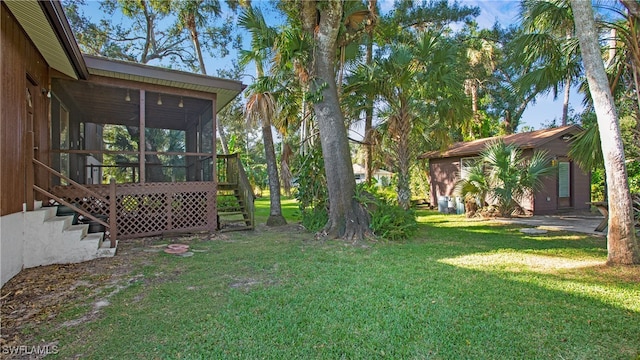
x=458, y=290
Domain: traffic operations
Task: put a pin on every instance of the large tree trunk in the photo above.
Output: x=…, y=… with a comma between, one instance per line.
x=347, y=218
x=621, y=239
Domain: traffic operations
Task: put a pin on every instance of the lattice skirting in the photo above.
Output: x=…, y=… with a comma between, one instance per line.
x=152, y=208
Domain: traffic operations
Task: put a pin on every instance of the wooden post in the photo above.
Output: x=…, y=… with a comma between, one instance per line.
x=113, y=213
x=213, y=216
x=142, y=146
x=30, y=180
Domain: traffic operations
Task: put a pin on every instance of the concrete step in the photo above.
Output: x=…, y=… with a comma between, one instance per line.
x=82, y=229
x=59, y=223
x=105, y=249
x=41, y=214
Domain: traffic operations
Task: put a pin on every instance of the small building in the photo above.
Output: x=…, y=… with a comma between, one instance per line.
x=568, y=189
x=382, y=177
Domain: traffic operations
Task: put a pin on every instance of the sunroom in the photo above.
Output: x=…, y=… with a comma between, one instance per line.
x=144, y=136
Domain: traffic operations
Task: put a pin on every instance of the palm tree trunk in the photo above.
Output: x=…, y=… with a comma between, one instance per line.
x=196, y=45
x=621, y=239
x=403, y=130
x=565, y=103
x=275, y=208
x=368, y=123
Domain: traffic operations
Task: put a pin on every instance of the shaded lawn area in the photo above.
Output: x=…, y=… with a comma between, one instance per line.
x=459, y=289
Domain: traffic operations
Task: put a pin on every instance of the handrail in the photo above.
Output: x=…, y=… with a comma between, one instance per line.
x=54, y=172
x=111, y=225
x=247, y=191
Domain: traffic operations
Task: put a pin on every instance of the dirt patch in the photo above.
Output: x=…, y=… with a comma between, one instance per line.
x=37, y=295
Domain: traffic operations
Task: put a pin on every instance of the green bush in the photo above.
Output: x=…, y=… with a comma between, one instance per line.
x=387, y=219
x=314, y=219
x=393, y=223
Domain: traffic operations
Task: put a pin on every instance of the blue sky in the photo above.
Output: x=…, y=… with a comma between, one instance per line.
x=543, y=111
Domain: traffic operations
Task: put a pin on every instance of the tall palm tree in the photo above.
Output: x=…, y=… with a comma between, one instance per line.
x=622, y=245
x=417, y=87
x=482, y=63
x=261, y=105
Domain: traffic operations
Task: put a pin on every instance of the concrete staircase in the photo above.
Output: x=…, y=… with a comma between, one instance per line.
x=52, y=239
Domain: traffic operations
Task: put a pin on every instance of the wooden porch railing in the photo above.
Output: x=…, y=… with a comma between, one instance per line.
x=231, y=174
x=105, y=205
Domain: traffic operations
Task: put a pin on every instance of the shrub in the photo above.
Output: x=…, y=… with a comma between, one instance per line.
x=393, y=223
x=387, y=219
x=314, y=219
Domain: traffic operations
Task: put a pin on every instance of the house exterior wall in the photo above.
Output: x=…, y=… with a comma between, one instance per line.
x=12, y=245
x=22, y=67
x=444, y=174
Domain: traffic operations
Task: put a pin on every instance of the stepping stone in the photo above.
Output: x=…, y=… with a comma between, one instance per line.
x=532, y=231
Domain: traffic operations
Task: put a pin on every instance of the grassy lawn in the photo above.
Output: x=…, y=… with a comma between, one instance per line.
x=459, y=290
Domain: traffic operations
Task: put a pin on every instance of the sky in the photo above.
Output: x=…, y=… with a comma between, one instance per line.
x=546, y=108
x=538, y=114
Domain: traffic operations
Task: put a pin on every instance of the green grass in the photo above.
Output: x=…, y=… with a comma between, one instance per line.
x=289, y=208
x=458, y=290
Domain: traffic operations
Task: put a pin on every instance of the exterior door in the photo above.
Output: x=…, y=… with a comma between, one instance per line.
x=564, y=185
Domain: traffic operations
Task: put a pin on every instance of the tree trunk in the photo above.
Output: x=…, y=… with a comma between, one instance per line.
x=403, y=154
x=565, y=102
x=621, y=239
x=347, y=218
x=368, y=118
x=368, y=123
x=275, y=209
x=196, y=45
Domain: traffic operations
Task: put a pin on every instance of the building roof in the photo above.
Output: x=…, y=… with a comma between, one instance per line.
x=359, y=169
x=55, y=42
x=225, y=89
x=59, y=47
x=527, y=140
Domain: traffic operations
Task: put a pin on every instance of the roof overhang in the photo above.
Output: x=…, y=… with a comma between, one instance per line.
x=528, y=140
x=55, y=42
x=225, y=90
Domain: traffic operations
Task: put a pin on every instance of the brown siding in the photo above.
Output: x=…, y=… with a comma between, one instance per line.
x=20, y=59
x=546, y=200
x=581, y=188
x=444, y=175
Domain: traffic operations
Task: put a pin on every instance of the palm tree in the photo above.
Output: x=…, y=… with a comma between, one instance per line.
x=482, y=63
x=549, y=45
x=261, y=105
x=192, y=15
x=504, y=175
x=417, y=87
x=622, y=245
